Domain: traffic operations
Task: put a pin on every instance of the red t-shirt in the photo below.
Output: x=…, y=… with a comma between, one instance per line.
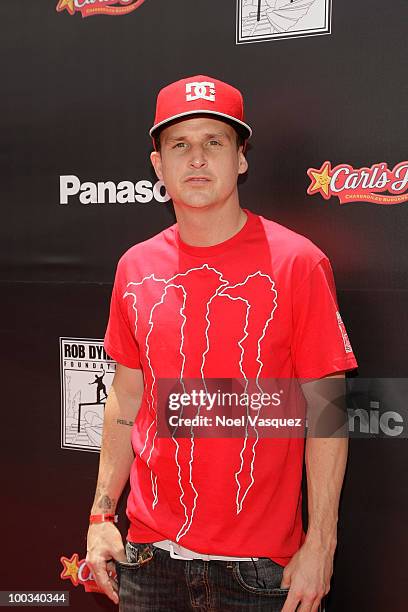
x=261, y=305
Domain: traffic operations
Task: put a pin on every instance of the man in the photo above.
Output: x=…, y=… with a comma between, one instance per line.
x=224, y=294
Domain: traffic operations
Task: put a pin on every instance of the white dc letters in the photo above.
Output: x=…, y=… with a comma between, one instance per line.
x=200, y=91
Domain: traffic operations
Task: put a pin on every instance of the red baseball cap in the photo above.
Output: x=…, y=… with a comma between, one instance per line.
x=200, y=95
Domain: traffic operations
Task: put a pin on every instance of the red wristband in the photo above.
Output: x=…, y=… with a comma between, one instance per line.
x=103, y=518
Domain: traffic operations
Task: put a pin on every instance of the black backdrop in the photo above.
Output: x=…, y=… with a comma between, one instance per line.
x=77, y=100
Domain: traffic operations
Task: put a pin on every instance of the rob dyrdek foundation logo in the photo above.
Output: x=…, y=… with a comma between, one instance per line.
x=86, y=376
x=262, y=20
x=377, y=185
x=88, y=8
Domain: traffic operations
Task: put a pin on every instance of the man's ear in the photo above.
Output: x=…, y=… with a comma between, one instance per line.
x=155, y=158
x=242, y=161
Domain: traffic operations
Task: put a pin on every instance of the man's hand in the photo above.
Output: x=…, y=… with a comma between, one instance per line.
x=307, y=576
x=104, y=539
x=104, y=543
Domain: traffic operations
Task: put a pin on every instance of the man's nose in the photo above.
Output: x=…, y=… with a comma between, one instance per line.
x=198, y=157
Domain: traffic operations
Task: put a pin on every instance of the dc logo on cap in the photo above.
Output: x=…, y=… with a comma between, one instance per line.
x=200, y=91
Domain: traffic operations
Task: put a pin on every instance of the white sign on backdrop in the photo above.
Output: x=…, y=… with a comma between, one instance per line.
x=263, y=20
x=86, y=376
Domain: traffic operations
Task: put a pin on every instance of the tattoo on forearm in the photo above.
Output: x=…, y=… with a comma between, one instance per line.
x=124, y=422
x=106, y=503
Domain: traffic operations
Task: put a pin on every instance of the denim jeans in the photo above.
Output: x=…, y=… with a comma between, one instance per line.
x=153, y=581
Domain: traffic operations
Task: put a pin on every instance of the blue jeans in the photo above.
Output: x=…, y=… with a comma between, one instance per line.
x=152, y=581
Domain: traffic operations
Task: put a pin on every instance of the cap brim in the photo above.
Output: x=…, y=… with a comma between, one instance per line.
x=236, y=122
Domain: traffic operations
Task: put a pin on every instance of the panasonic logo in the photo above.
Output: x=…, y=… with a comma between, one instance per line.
x=125, y=192
x=373, y=421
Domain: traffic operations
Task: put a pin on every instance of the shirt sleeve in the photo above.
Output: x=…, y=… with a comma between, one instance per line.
x=120, y=342
x=320, y=345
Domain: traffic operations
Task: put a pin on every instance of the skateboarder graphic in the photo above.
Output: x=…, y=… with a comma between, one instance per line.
x=101, y=386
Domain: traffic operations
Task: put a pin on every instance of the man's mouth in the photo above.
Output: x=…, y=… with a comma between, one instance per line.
x=197, y=180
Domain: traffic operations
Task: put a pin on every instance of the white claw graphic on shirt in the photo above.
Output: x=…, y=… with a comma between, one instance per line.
x=240, y=496
x=246, y=457
x=189, y=515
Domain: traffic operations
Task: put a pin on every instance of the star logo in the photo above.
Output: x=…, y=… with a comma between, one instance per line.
x=71, y=567
x=67, y=5
x=320, y=180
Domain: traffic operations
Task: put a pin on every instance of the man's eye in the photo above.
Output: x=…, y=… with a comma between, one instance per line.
x=180, y=145
x=214, y=142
